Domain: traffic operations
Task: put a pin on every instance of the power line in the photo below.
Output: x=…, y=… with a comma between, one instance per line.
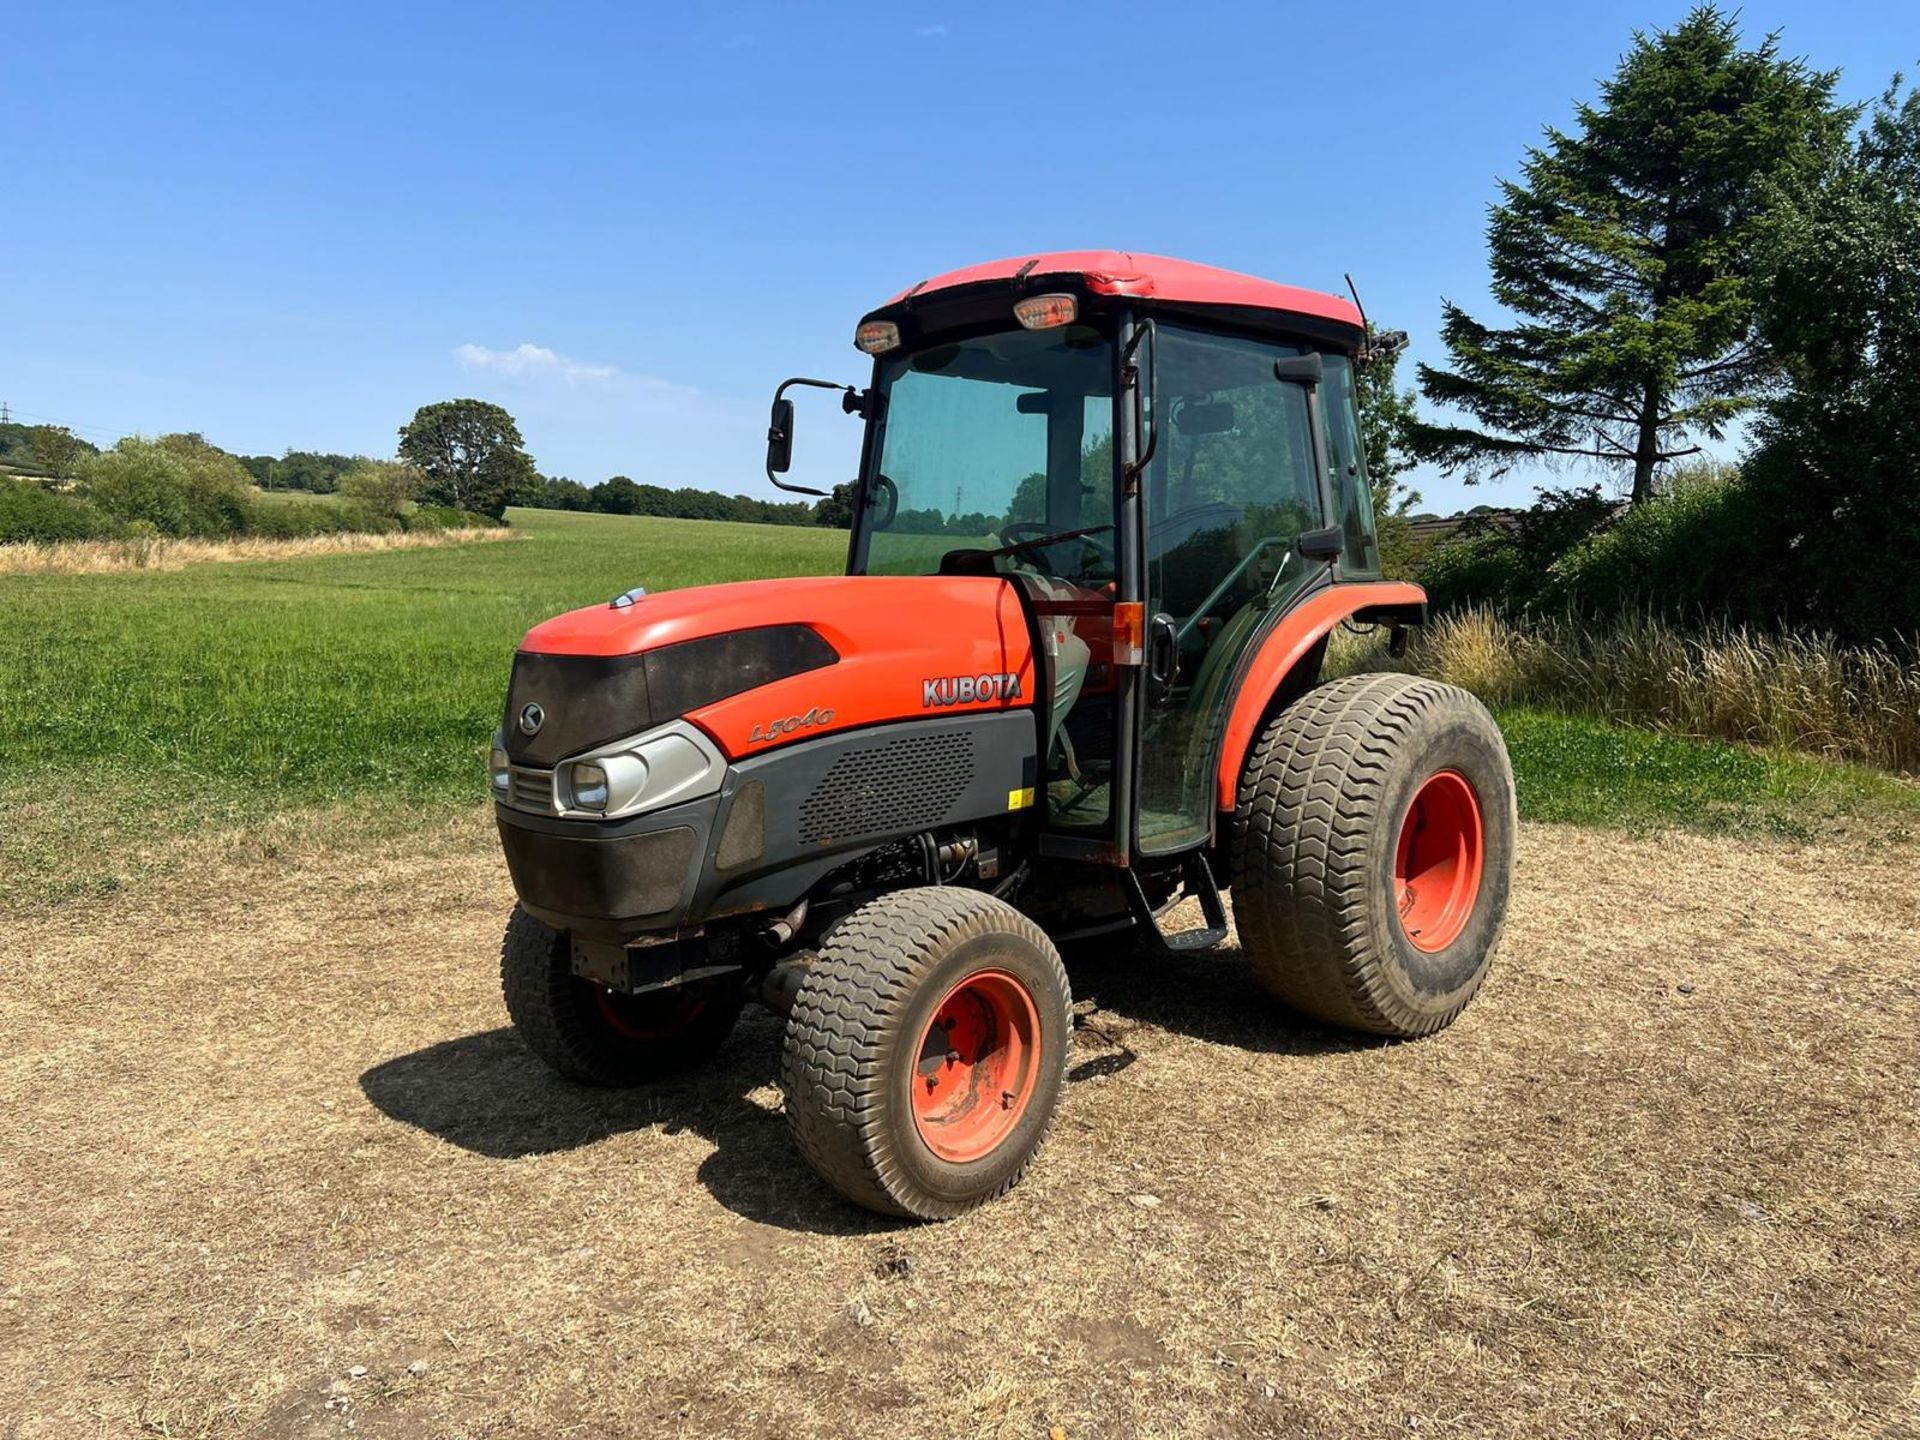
x=69, y=424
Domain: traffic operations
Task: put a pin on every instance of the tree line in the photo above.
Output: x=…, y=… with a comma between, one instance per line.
x=1714, y=239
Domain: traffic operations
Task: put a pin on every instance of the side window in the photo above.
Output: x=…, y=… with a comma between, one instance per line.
x=1347, y=460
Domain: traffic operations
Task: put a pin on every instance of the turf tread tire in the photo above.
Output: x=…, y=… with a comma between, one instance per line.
x=849, y=1022
x=554, y=1011
x=1311, y=888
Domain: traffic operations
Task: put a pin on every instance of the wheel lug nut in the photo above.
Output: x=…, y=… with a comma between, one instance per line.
x=953, y=1057
x=1006, y=1099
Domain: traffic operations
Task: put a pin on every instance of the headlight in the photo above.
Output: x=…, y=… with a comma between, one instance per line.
x=498, y=772
x=665, y=766
x=587, y=780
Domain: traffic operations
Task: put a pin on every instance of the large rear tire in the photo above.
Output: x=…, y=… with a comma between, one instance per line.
x=927, y=1050
x=599, y=1036
x=1373, y=852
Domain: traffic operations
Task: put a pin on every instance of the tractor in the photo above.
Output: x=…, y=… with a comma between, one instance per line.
x=1110, y=508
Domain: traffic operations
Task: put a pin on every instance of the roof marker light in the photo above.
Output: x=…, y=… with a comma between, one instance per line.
x=1044, y=312
x=876, y=337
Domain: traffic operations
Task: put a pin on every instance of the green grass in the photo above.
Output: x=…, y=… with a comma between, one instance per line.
x=137, y=706
x=1584, y=771
x=323, y=677
x=295, y=497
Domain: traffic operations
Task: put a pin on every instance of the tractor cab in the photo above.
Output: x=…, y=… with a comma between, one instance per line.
x=1161, y=455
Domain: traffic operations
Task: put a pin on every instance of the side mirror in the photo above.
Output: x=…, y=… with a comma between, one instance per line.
x=780, y=437
x=1327, y=544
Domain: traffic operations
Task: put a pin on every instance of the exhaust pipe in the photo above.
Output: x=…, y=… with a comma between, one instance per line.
x=780, y=986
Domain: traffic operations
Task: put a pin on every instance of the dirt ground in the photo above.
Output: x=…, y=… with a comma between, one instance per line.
x=271, y=1165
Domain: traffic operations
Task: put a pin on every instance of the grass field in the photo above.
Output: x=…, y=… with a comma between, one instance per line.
x=142, y=706
x=270, y=1165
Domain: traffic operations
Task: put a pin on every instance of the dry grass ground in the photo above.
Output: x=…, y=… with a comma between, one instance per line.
x=272, y=1167
x=113, y=557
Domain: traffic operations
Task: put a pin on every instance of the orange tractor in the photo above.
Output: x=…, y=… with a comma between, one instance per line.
x=1110, y=508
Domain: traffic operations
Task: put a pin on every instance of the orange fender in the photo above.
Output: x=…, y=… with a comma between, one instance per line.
x=1298, y=632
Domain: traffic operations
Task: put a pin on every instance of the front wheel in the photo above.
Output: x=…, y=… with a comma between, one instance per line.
x=1373, y=852
x=599, y=1036
x=926, y=1051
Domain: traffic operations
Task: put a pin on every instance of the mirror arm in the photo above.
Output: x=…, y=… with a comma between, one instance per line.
x=774, y=432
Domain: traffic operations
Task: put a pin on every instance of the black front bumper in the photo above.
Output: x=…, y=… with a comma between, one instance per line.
x=614, y=879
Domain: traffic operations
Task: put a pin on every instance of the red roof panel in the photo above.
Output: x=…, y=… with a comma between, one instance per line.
x=1150, y=277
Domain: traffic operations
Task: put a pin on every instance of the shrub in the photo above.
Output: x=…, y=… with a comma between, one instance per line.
x=1507, y=561
x=447, y=517
x=1686, y=553
x=384, y=487
x=179, y=484
x=279, y=520
x=30, y=511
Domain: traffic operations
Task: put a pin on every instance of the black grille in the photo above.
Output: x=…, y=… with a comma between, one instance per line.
x=530, y=789
x=904, y=785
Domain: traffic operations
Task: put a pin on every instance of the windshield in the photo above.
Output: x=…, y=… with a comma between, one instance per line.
x=989, y=444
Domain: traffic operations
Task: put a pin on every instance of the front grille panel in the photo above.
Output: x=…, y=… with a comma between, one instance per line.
x=903, y=785
x=530, y=789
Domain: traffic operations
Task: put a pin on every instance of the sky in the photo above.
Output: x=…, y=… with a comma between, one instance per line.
x=287, y=227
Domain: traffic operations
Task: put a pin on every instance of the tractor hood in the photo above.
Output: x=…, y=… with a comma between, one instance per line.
x=764, y=663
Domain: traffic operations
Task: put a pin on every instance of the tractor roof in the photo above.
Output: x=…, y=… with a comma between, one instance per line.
x=1153, y=279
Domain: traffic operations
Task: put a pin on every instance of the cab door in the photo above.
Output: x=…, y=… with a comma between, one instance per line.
x=1233, y=482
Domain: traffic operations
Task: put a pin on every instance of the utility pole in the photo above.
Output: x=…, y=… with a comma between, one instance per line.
x=5, y=418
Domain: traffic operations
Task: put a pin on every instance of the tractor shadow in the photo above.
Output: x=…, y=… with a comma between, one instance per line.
x=487, y=1094
x=1210, y=996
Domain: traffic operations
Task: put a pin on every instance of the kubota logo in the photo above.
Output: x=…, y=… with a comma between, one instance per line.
x=966, y=689
x=774, y=729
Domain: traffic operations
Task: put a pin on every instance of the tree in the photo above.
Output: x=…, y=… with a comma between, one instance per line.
x=1831, y=475
x=386, y=487
x=1627, y=254
x=56, y=449
x=309, y=470
x=1387, y=417
x=470, y=452
x=616, y=495
x=836, y=510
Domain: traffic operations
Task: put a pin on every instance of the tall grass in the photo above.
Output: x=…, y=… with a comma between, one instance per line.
x=1799, y=691
x=159, y=552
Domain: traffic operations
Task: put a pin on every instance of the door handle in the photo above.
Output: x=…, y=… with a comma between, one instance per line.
x=1163, y=656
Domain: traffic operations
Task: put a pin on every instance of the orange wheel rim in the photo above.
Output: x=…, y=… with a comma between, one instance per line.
x=1438, y=861
x=976, y=1067
x=654, y=1016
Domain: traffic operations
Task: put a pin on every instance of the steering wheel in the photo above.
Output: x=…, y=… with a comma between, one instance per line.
x=1015, y=539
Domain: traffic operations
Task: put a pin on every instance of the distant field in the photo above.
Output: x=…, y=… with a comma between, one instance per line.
x=140, y=705
x=324, y=676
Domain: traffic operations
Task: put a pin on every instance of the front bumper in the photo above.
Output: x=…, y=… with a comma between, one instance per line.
x=614, y=879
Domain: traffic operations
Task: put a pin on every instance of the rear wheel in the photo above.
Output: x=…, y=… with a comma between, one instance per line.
x=1373, y=852
x=926, y=1051
x=599, y=1036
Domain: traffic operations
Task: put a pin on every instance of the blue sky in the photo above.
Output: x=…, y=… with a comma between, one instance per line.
x=289, y=226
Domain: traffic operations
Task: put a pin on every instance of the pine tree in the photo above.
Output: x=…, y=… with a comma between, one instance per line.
x=1625, y=253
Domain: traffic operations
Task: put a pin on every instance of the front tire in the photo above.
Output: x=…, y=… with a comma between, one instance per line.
x=598, y=1036
x=1373, y=853
x=926, y=1052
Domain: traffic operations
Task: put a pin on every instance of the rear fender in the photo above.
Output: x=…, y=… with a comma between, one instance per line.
x=1293, y=642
